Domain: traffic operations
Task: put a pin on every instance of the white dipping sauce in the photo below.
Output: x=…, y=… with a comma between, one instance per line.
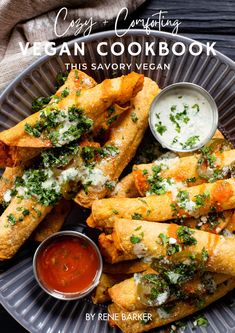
x=182, y=118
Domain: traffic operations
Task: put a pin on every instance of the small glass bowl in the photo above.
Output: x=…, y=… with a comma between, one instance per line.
x=60, y=295
x=202, y=92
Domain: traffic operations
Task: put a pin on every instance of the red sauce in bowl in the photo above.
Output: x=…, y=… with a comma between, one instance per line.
x=68, y=264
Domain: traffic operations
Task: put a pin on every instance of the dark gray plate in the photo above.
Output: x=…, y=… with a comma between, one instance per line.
x=19, y=292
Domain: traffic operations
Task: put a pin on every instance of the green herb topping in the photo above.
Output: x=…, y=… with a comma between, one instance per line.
x=134, y=117
x=39, y=103
x=135, y=239
x=11, y=219
x=60, y=127
x=65, y=92
x=60, y=79
x=160, y=128
x=191, y=142
x=137, y=216
x=184, y=235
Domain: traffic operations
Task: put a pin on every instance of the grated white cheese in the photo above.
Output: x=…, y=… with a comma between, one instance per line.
x=190, y=206
x=97, y=177
x=161, y=298
x=118, y=143
x=167, y=161
x=140, y=250
x=148, y=259
x=202, y=220
x=172, y=240
x=137, y=277
x=7, y=196
x=22, y=191
x=65, y=126
x=69, y=174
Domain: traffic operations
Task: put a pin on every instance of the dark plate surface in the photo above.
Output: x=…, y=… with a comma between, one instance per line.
x=19, y=292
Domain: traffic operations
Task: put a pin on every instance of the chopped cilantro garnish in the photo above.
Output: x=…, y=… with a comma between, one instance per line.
x=191, y=180
x=200, y=321
x=61, y=78
x=190, y=142
x=76, y=74
x=110, y=185
x=173, y=248
x=184, y=234
x=88, y=154
x=205, y=255
x=145, y=172
x=182, y=198
x=137, y=216
x=160, y=128
x=39, y=102
x=65, y=92
x=157, y=184
x=138, y=228
x=59, y=157
x=38, y=212
x=164, y=239
x=11, y=219
x=111, y=110
x=108, y=150
x=59, y=126
x=112, y=120
x=182, y=116
x=134, y=117
x=135, y=239
x=175, y=140
x=32, y=182
x=200, y=199
x=196, y=107
x=174, y=121
x=207, y=156
x=31, y=130
x=25, y=212
x=170, y=248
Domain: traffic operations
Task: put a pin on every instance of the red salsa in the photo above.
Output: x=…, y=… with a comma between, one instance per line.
x=67, y=265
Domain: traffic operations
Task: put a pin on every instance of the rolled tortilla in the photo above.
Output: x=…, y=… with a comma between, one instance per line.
x=126, y=267
x=125, y=294
x=220, y=250
x=126, y=135
x=100, y=294
x=125, y=188
x=8, y=178
x=17, y=223
x=133, y=322
x=231, y=225
x=12, y=155
x=183, y=171
x=22, y=217
x=94, y=102
x=110, y=252
x=75, y=81
x=214, y=223
x=216, y=196
x=53, y=222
